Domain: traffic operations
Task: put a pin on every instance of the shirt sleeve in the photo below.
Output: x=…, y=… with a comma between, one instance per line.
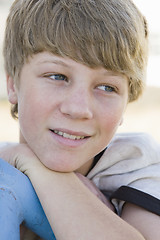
x=134, y=196
x=129, y=171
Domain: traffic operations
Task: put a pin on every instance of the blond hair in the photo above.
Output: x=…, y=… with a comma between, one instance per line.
x=108, y=33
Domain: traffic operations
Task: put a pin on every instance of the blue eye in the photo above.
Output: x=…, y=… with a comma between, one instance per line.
x=107, y=88
x=58, y=77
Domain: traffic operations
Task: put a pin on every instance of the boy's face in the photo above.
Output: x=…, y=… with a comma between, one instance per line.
x=68, y=112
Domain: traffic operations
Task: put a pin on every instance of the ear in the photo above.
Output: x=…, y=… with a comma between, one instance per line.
x=11, y=89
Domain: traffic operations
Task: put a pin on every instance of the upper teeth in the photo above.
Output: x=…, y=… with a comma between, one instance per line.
x=66, y=135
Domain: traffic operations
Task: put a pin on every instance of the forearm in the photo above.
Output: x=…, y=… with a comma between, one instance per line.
x=74, y=212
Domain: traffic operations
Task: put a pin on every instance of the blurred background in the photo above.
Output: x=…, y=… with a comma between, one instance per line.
x=141, y=116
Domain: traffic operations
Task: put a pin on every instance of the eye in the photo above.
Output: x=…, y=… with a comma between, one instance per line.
x=107, y=88
x=57, y=77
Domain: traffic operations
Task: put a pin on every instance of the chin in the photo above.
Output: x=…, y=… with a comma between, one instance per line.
x=59, y=168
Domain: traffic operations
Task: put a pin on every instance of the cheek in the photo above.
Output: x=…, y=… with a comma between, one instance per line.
x=113, y=114
x=109, y=125
x=111, y=118
x=32, y=111
x=32, y=102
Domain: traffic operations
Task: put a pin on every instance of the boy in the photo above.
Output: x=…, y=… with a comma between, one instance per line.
x=72, y=66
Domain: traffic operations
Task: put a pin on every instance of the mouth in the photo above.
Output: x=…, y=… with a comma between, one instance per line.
x=69, y=136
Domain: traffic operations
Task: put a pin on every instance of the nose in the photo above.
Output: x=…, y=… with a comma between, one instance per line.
x=77, y=104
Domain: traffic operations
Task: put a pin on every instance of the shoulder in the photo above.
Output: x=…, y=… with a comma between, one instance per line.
x=128, y=152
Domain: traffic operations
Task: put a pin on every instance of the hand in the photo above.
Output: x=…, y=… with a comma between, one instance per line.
x=20, y=156
x=93, y=188
x=7, y=152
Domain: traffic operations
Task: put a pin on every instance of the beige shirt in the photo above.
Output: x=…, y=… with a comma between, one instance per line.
x=131, y=159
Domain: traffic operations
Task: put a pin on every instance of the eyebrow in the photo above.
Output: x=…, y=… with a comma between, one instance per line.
x=111, y=73
x=57, y=62
x=118, y=77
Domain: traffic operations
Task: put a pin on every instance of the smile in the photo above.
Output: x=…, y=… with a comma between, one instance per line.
x=69, y=136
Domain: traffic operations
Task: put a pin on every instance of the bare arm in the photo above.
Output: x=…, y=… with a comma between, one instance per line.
x=83, y=216
x=93, y=188
x=145, y=222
